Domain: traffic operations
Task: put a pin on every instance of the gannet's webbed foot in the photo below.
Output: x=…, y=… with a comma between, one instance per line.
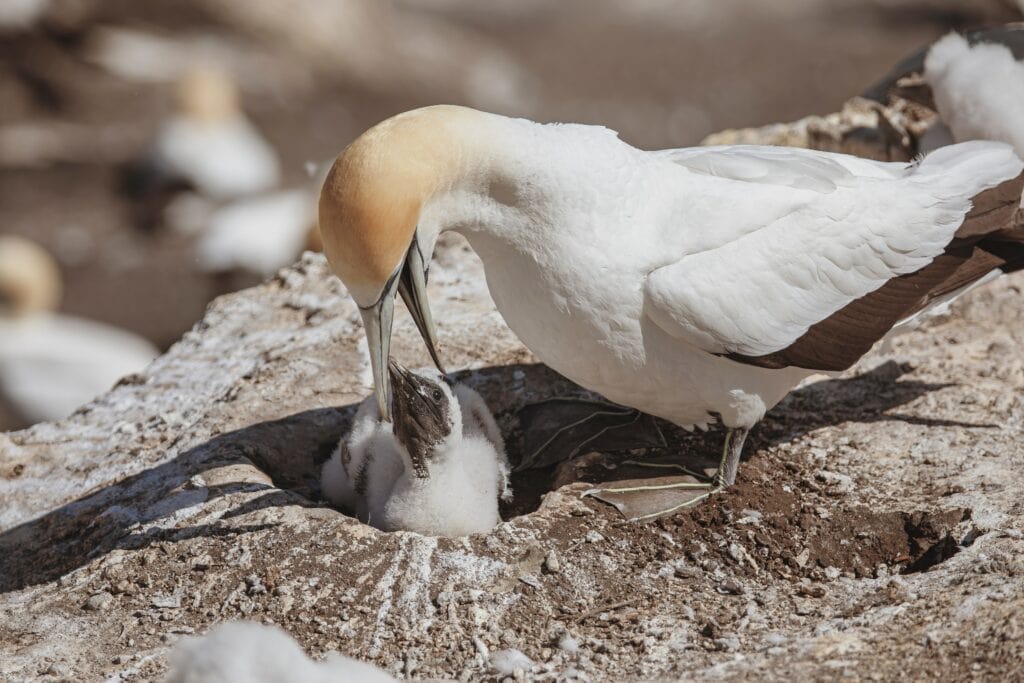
x=642, y=500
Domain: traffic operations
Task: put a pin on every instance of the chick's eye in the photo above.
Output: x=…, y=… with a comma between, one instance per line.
x=438, y=395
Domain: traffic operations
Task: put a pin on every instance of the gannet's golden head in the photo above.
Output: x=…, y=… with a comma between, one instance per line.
x=29, y=277
x=207, y=94
x=370, y=206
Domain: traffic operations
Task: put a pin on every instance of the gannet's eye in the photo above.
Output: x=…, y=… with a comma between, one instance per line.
x=437, y=396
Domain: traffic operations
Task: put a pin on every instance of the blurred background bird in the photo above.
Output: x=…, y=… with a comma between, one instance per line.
x=50, y=363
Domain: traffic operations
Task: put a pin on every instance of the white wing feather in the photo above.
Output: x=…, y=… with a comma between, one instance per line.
x=859, y=224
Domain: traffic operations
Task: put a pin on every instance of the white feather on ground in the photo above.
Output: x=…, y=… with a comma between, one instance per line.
x=254, y=653
x=468, y=473
x=978, y=90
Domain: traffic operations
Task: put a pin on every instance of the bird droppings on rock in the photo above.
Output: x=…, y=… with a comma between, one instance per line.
x=509, y=662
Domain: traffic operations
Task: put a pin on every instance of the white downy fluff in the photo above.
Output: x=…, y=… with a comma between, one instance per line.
x=468, y=471
x=260, y=234
x=978, y=90
x=254, y=653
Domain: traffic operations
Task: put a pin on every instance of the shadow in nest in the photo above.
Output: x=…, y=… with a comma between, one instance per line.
x=869, y=397
x=129, y=514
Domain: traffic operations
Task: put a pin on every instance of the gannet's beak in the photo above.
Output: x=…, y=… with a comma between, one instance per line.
x=411, y=281
x=412, y=285
x=377, y=320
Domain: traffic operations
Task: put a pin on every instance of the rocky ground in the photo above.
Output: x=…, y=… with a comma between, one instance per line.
x=876, y=530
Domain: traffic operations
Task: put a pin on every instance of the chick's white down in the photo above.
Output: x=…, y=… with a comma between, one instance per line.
x=468, y=471
x=978, y=90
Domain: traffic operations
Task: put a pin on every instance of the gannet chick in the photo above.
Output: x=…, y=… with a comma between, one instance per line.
x=978, y=90
x=209, y=144
x=438, y=469
x=51, y=363
x=698, y=285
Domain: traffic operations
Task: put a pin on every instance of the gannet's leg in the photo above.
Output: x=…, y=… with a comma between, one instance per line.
x=731, y=449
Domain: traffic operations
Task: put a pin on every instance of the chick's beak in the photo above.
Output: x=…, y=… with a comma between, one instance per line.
x=412, y=415
x=411, y=282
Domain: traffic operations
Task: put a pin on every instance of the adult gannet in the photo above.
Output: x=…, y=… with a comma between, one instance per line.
x=51, y=363
x=438, y=469
x=208, y=143
x=694, y=284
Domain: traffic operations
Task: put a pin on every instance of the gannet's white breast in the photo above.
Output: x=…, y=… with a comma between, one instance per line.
x=51, y=364
x=635, y=273
x=222, y=159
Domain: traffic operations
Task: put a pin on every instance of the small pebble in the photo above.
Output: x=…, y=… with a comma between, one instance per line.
x=688, y=572
x=812, y=590
x=59, y=669
x=730, y=644
x=551, y=563
x=201, y=563
x=593, y=537
x=99, y=602
x=254, y=585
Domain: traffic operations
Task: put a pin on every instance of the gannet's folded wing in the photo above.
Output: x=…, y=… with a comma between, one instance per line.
x=817, y=286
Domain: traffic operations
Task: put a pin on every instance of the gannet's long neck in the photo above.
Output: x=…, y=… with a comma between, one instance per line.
x=484, y=193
